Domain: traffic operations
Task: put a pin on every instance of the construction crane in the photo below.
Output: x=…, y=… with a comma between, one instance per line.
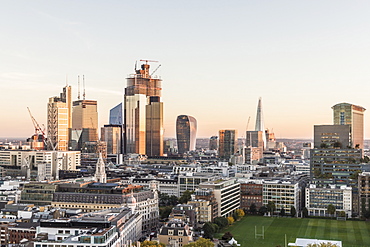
x=155, y=70
x=148, y=61
x=38, y=129
x=39, y=136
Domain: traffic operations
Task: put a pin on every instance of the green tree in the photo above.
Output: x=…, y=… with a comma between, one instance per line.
x=151, y=244
x=323, y=245
x=221, y=222
x=271, y=207
x=201, y=242
x=253, y=208
x=164, y=212
x=366, y=214
x=209, y=230
x=331, y=209
x=186, y=196
x=293, y=212
x=304, y=212
x=282, y=211
x=262, y=210
x=227, y=236
x=341, y=214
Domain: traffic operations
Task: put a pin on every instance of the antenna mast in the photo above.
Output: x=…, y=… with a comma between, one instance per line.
x=78, y=95
x=83, y=80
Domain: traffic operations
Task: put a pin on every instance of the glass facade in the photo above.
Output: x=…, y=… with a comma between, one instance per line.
x=186, y=130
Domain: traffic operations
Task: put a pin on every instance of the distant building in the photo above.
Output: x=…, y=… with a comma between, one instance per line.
x=364, y=192
x=186, y=131
x=251, y=193
x=59, y=120
x=213, y=143
x=84, y=123
x=115, y=115
x=227, y=144
x=143, y=114
x=353, y=115
x=332, y=136
x=112, y=135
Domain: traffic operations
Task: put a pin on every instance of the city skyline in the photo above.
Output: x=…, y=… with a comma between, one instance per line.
x=301, y=58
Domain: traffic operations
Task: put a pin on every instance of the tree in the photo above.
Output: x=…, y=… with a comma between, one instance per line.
x=293, y=212
x=221, y=222
x=253, y=208
x=304, y=212
x=323, y=245
x=147, y=243
x=366, y=214
x=164, y=212
x=209, y=230
x=227, y=236
x=282, y=211
x=240, y=213
x=262, y=210
x=230, y=220
x=201, y=242
x=186, y=196
x=331, y=209
x=341, y=214
x=271, y=207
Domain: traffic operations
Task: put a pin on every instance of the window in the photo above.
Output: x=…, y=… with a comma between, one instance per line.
x=170, y=232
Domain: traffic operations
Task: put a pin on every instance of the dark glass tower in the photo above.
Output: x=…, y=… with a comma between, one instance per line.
x=186, y=131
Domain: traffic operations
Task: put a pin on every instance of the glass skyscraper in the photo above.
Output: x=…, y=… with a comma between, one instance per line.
x=186, y=131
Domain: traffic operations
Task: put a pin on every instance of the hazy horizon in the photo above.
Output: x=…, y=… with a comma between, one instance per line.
x=217, y=58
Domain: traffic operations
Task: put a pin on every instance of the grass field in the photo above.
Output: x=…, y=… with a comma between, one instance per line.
x=351, y=233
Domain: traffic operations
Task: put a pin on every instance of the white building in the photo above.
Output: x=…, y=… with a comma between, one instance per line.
x=283, y=193
x=26, y=161
x=318, y=199
x=227, y=194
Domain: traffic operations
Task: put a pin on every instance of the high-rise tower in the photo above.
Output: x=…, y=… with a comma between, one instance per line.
x=227, y=143
x=259, y=117
x=84, y=123
x=143, y=114
x=59, y=120
x=186, y=131
x=353, y=115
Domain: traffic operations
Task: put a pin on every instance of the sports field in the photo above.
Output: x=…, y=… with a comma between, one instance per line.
x=351, y=233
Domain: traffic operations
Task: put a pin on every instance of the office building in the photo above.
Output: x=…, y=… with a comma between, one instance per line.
x=353, y=115
x=59, y=120
x=115, y=115
x=142, y=104
x=227, y=144
x=213, y=143
x=154, y=127
x=364, y=193
x=318, y=199
x=111, y=134
x=260, y=125
x=284, y=194
x=332, y=136
x=227, y=194
x=186, y=131
x=84, y=123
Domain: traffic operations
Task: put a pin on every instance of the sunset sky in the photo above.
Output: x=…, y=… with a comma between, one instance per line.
x=217, y=58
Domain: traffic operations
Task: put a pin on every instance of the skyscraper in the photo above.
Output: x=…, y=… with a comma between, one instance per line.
x=115, y=115
x=353, y=115
x=84, y=123
x=213, y=143
x=111, y=134
x=227, y=143
x=186, y=131
x=59, y=120
x=141, y=105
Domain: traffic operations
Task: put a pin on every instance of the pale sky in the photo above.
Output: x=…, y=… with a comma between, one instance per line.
x=217, y=57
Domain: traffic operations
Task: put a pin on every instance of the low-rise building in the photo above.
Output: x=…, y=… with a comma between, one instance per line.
x=175, y=233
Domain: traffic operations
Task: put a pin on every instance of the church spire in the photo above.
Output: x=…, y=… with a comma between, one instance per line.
x=100, y=175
